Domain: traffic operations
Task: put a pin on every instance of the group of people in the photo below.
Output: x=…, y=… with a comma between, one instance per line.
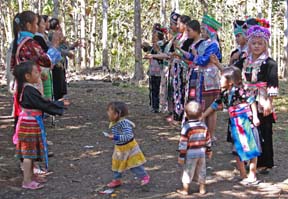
x=188, y=81
x=38, y=61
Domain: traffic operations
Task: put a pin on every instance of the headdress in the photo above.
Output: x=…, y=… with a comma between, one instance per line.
x=159, y=29
x=174, y=17
x=240, y=27
x=258, y=31
x=211, y=22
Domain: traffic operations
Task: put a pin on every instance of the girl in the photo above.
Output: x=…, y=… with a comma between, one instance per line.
x=166, y=95
x=25, y=48
x=240, y=29
x=30, y=136
x=127, y=154
x=46, y=72
x=59, y=71
x=260, y=76
x=207, y=76
x=245, y=139
x=155, y=66
x=179, y=67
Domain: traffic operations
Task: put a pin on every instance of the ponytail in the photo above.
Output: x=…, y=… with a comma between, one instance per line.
x=19, y=72
x=16, y=29
x=20, y=24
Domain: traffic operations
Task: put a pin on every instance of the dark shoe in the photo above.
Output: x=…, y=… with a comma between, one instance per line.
x=50, y=154
x=264, y=171
x=155, y=111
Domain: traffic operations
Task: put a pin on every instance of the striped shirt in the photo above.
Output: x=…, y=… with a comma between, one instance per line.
x=194, y=140
x=123, y=131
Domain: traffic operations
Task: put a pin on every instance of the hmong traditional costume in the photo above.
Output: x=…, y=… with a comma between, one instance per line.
x=47, y=84
x=260, y=77
x=166, y=99
x=30, y=136
x=205, y=79
x=244, y=134
x=29, y=50
x=127, y=153
x=178, y=72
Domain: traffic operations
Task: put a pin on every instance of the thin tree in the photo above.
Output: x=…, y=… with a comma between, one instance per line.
x=56, y=8
x=284, y=72
x=138, y=72
x=82, y=33
x=92, y=35
x=163, y=12
x=105, y=60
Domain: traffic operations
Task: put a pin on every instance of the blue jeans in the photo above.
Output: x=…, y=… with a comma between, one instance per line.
x=138, y=171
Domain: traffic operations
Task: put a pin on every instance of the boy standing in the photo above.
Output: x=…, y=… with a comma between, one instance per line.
x=194, y=144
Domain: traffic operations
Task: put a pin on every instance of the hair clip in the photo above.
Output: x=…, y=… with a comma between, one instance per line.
x=17, y=20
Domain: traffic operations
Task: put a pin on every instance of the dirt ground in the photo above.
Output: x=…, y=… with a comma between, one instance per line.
x=80, y=172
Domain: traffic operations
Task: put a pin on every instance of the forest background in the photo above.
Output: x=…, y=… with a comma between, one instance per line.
x=112, y=30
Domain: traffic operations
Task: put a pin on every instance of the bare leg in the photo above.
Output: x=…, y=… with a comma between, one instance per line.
x=252, y=169
x=202, y=188
x=241, y=167
x=211, y=123
x=185, y=190
x=27, y=167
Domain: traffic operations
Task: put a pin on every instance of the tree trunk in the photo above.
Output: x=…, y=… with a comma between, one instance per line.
x=92, y=35
x=284, y=72
x=163, y=12
x=56, y=8
x=105, y=60
x=138, y=72
x=82, y=33
x=270, y=16
x=20, y=5
x=175, y=5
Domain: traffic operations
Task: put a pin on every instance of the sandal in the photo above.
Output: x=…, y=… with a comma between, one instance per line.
x=114, y=183
x=145, y=180
x=32, y=186
x=248, y=182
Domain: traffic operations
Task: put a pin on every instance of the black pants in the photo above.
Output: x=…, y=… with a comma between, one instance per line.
x=59, y=82
x=266, y=133
x=154, y=91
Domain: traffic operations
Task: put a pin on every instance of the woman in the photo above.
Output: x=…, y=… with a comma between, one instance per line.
x=206, y=77
x=179, y=67
x=260, y=75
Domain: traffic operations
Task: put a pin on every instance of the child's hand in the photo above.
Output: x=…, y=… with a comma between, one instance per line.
x=181, y=161
x=65, y=101
x=110, y=136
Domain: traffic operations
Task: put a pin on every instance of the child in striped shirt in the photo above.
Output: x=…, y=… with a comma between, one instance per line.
x=127, y=153
x=194, y=144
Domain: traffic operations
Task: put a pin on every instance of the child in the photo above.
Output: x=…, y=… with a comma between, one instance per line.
x=127, y=153
x=30, y=136
x=194, y=143
x=155, y=65
x=245, y=139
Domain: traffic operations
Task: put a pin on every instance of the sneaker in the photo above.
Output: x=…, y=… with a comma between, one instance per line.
x=145, y=180
x=114, y=183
